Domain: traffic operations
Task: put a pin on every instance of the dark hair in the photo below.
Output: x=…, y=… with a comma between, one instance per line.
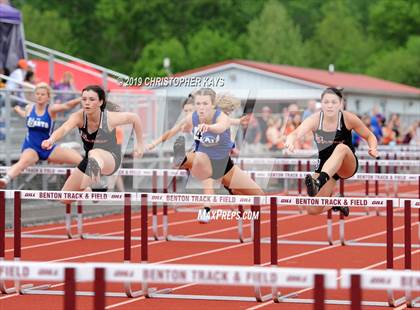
x=188, y=100
x=102, y=96
x=28, y=76
x=333, y=90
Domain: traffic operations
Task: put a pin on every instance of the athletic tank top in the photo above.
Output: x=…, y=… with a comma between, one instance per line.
x=102, y=138
x=326, y=141
x=216, y=146
x=40, y=128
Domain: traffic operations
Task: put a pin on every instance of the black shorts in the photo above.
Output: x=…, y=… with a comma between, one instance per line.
x=323, y=159
x=117, y=159
x=220, y=167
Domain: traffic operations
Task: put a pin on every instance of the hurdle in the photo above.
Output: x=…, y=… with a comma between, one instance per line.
x=17, y=234
x=100, y=273
x=277, y=297
x=401, y=280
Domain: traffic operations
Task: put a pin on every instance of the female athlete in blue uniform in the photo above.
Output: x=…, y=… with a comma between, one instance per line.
x=213, y=144
x=332, y=133
x=97, y=130
x=40, y=122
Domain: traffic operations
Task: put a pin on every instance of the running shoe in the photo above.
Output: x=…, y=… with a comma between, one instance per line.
x=343, y=210
x=312, y=185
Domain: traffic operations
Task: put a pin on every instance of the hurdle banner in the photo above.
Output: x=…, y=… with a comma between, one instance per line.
x=241, y=161
x=43, y=289
x=313, y=162
x=257, y=239
x=265, y=200
x=390, y=280
x=319, y=279
x=171, y=274
x=399, y=147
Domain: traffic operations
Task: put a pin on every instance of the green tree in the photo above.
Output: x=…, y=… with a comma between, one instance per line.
x=38, y=27
x=207, y=46
x=272, y=37
x=393, y=21
x=401, y=65
x=151, y=61
x=339, y=40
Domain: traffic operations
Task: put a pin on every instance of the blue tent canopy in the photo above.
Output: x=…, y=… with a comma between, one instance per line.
x=11, y=37
x=9, y=14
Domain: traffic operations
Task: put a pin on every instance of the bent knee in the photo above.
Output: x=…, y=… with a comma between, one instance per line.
x=342, y=148
x=93, y=153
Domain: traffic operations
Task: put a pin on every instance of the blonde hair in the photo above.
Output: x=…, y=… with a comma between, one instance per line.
x=227, y=103
x=205, y=92
x=43, y=85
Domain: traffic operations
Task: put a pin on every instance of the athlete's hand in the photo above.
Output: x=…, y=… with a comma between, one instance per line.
x=290, y=143
x=244, y=120
x=138, y=151
x=47, y=144
x=150, y=146
x=373, y=152
x=203, y=127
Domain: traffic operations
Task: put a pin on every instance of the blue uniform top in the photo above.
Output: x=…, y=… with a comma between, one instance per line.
x=216, y=146
x=40, y=128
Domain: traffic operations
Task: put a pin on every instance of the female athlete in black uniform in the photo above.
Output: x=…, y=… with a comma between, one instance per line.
x=97, y=129
x=332, y=133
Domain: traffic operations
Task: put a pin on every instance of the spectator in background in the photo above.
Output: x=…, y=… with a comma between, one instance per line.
x=18, y=76
x=263, y=123
x=249, y=135
x=29, y=86
x=396, y=126
x=66, y=85
x=6, y=72
x=275, y=140
x=375, y=123
x=388, y=135
x=412, y=136
x=310, y=109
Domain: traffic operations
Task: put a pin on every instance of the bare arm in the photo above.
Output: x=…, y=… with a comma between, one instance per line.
x=73, y=122
x=355, y=123
x=125, y=118
x=61, y=107
x=183, y=125
x=222, y=124
x=22, y=112
x=309, y=124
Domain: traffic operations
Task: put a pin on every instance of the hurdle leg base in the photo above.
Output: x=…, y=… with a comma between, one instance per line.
x=27, y=288
x=5, y=290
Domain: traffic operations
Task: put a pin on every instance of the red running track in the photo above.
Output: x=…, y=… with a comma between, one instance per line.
x=295, y=226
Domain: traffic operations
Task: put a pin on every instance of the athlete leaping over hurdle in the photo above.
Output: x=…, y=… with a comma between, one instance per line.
x=336, y=155
x=96, y=123
x=213, y=145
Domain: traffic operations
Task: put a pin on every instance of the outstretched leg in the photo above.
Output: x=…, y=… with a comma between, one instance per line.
x=28, y=158
x=240, y=183
x=61, y=155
